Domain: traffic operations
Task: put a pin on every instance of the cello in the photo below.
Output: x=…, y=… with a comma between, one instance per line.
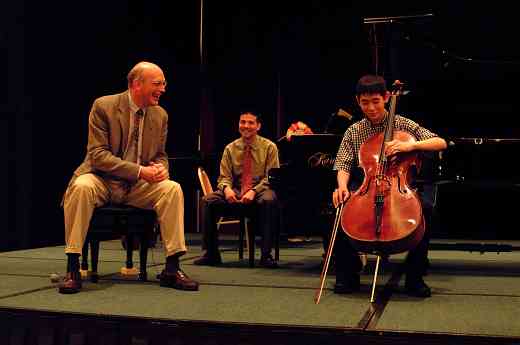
x=384, y=215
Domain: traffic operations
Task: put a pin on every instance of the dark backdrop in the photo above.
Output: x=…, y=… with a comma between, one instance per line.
x=289, y=62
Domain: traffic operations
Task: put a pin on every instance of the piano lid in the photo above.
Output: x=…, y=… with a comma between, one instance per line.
x=482, y=141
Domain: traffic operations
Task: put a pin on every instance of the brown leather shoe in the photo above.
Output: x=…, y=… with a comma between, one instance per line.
x=178, y=280
x=70, y=284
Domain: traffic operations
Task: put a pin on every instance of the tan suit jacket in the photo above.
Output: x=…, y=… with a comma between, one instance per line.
x=108, y=128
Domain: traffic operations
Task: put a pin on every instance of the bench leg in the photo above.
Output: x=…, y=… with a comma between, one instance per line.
x=143, y=257
x=129, y=269
x=94, y=257
x=129, y=251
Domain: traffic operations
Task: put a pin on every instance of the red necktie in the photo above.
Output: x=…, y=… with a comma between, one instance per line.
x=247, y=177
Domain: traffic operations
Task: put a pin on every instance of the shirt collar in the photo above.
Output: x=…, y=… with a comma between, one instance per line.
x=253, y=145
x=133, y=107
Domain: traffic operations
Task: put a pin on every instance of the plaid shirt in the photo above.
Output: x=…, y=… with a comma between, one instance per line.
x=359, y=132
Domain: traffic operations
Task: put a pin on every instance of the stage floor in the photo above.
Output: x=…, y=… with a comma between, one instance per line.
x=473, y=294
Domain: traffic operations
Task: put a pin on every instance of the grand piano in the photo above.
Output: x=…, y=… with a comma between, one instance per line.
x=472, y=188
x=477, y=189
x=305, y=181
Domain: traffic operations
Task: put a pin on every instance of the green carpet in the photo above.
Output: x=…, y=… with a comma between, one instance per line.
x=472, y=293
x=467, y=314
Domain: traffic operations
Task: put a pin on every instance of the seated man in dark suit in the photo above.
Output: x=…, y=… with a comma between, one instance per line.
x=243, y=181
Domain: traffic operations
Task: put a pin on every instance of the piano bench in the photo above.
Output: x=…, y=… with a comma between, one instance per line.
x=123, y=220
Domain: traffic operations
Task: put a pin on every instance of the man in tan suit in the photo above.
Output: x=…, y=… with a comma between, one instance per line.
x=126, y=163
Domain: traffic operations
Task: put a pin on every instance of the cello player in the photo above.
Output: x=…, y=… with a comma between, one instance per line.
x=372, y=95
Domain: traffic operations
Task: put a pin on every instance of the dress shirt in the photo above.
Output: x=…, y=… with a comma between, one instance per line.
x=264, y=157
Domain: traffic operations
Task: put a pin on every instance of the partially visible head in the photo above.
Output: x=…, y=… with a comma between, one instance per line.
x=146, y=84
x=249, y=125
x=372, y=95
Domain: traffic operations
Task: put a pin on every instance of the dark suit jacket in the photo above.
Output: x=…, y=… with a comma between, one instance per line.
x=108, y=128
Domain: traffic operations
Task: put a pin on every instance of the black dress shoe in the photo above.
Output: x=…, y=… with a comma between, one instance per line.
x=417, y=287
x=268, y=262
x=70, y=284
x=206, y=260
x=347, y=285
x=177, y=280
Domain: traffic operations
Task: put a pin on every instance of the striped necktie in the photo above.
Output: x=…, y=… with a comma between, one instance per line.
x=135, y=134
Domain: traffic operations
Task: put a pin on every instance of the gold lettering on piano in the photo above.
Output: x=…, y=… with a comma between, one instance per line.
x=321, y=160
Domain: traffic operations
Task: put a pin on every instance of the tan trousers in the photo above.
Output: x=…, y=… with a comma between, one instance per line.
x=89, y=191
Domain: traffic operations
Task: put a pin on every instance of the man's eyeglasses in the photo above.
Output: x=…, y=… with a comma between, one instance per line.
x=158, y=83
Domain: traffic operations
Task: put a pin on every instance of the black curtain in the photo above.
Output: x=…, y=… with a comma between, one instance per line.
x=61, y=56
x=287, y=61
